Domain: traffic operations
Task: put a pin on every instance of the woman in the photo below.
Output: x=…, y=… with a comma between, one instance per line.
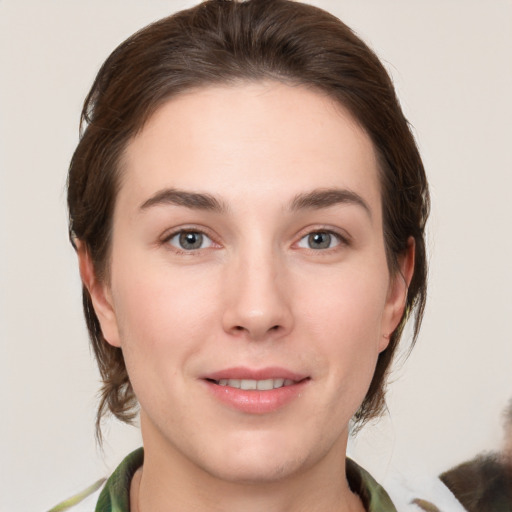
x=248, y=207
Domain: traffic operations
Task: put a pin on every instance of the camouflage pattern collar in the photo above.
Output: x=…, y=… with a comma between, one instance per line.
x=115, y=496
x=373, y=495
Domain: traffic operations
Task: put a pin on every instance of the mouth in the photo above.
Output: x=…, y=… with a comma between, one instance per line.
x=256, y=385
x=253, y=391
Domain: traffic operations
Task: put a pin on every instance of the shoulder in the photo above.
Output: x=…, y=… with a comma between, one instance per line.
x=422, y=493
x=400, y=494
x=110, y=495
x=373, y=495
x=83, y=501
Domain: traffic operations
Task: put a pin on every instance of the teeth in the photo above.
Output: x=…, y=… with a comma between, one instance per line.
x=265, y=385
x=278, y=383
x=248, y=384
x=251, y=384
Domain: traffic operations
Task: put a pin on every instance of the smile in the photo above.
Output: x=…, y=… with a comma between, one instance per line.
x=252, y=384
x=256, y=392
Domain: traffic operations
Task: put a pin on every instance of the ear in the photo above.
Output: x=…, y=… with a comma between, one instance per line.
x=100, y=295
x=397, y=293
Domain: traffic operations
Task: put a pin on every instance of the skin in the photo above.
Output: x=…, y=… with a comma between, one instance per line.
x=258, y=293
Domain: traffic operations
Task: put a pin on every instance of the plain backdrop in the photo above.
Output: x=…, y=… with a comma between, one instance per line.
x=451, y=61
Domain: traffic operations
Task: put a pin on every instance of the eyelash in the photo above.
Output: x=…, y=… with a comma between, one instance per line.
x=184, y=231
x=342, y=240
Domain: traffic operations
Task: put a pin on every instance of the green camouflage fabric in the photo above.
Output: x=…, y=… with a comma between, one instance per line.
x=115, y=496
x=373, y=495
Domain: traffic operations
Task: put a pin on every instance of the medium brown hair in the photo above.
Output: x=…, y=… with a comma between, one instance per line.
x=229, y=41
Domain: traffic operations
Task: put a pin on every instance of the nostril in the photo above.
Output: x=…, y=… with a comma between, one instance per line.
x=241, y=328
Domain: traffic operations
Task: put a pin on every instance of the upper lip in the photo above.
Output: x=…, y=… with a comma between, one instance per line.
x=240, y=372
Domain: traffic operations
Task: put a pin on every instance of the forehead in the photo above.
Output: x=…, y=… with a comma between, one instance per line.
x=249, y=139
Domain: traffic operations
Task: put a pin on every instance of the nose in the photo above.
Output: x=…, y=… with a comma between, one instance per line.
x=258, y=301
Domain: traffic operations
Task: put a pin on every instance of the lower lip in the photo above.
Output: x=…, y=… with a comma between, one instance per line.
x=255, y=401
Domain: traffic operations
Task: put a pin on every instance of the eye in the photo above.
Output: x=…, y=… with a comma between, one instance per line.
x=189, y=240
x=320, y=240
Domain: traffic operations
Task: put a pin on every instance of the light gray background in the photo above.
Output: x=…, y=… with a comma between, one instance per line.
x=452, y=63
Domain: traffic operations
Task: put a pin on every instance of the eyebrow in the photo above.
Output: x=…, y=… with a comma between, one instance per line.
x=193, y=200
x=316, y=199
x=324, y=198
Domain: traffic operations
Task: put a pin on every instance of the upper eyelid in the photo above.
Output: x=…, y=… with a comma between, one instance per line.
x=164, y=241
x=327, y=231
x=167, y=235
x=341, y=240
x=341, y=234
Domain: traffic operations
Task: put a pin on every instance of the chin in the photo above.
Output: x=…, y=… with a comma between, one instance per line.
x=254, y=472
x=261, y=459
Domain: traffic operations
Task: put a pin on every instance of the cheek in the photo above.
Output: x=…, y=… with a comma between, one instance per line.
x=162, y=311
x=348, y=305
x=344, y=317
x=164, y=321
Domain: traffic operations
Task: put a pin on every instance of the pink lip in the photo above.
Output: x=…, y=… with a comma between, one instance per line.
x=256, y=401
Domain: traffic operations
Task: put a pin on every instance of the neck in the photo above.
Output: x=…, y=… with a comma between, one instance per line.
x=169, y=481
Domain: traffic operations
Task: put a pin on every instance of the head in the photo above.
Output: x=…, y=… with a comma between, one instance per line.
x=221, y=44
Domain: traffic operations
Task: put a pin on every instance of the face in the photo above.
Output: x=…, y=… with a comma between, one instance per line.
x=249, y=288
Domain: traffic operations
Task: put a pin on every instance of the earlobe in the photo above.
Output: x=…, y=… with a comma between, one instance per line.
x=397, y=293
x=100, y=296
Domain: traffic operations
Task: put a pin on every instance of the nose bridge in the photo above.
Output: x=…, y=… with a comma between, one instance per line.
x=258, y=304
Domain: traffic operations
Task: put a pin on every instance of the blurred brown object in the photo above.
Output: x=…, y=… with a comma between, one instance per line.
x=484, y=484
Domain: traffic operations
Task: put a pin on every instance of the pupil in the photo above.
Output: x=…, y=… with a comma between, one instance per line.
x=191, y=240
x=320, y=240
